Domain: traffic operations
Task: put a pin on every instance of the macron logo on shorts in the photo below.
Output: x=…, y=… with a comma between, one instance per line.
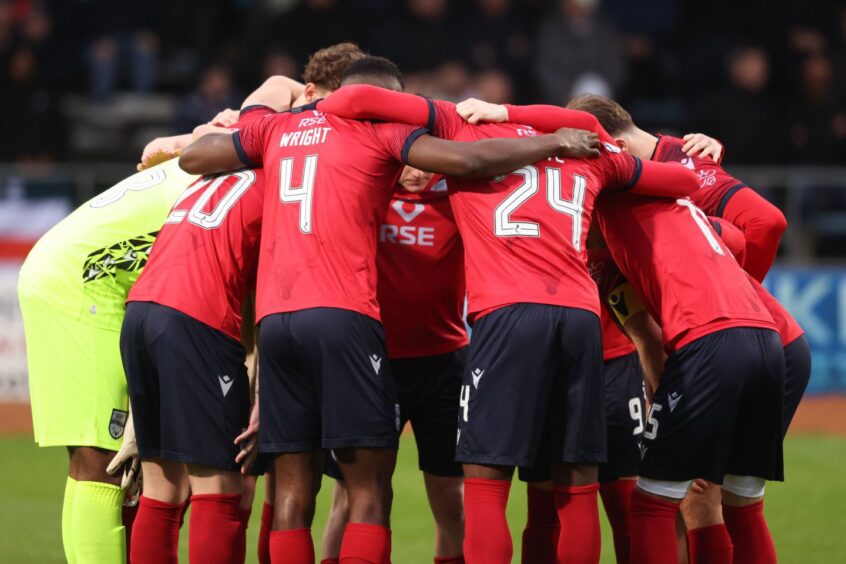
x=225, y=383
x=673, y=399
x=376, y=362
x=477, y=375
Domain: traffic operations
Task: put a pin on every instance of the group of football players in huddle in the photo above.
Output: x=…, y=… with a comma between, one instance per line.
x=622, y=344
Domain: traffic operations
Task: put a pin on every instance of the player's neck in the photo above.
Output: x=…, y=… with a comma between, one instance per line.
x=642, y=143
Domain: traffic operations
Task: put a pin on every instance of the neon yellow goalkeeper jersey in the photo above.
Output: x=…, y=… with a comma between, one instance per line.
x=86, y=264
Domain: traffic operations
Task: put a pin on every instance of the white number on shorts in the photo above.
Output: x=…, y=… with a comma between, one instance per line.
x=702, y=222
x=464, y=402
x=215, y=217
x=636, y=413
x=135, y=183
x=504, y=226
x=289, y=194
x=652, y=423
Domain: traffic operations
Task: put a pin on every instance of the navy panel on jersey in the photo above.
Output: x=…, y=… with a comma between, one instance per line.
x=626, y=409
x=188, y=386
x=797, y=373
x=533, y=385
x=718, y=409
x=325, y=382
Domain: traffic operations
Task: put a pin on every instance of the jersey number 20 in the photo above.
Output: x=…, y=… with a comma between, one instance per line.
x=213, y=219
x=504, y=226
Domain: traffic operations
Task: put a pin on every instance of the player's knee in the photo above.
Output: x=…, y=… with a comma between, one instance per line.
x=370, y=503
x=88, y=464
x=742, y=490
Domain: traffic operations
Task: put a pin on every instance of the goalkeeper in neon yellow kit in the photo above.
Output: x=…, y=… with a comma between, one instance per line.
x=72, y=289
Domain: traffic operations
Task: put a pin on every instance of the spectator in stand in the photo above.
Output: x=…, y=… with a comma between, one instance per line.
x=418, y=38
x=122, y=38
x=574, y=43
x=214, y=91
x=33, y=129
x=743, y=115
x=495, y=87
x=816, y=119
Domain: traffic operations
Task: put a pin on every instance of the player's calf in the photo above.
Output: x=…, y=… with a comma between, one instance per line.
x=446, y=495
x=743, y=510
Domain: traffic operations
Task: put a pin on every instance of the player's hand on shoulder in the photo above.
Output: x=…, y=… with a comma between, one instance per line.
x=159, y=150
x=226, y=118
x=702, y=146
x=475, y=111
x=577, y=143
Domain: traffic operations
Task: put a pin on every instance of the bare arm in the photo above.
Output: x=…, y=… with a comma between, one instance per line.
x=210, y=154
x=277, y=92
x=490, y=157
x=647, y=337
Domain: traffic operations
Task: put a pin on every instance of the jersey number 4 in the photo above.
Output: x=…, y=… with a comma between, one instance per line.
x=214, y=218
x=504, y=226
x=302, y=194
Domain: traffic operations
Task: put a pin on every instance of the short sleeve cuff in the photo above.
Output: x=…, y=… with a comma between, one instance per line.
x=242, y=154
x=406, y=147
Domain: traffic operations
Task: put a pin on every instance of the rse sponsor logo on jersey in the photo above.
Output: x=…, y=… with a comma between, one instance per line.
x=316, y=119
x=407, y=234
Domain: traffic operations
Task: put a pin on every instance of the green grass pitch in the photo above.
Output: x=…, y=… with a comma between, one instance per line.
x=807, y=514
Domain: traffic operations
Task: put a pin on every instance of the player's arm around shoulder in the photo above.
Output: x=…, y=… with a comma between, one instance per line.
x=491, y=157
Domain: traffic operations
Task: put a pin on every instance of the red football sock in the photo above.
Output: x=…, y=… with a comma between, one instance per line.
x=540, y=537
x=244, y=517
x=710, y=545
x=486, y=535
x=128, y=513
x=364, y=543
x=214, y=532
x=578, y=513
x=291, y=546
x=155, y=533
x=264, y=533
x=450, y=559
x=330, y=561
x=653, y=530
x=617, y=499
x=750, y=534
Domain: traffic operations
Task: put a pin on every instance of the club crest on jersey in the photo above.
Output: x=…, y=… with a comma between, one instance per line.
x=477, y=375
x=376, y=362
x=117, y=423
x=407, y=216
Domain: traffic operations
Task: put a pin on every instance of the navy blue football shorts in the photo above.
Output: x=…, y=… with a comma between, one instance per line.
x=325, y=383
x=718, y=410
x=797, y=373
x=626, y=409
x=428, y=389
x=533, y=390
x=188, y=386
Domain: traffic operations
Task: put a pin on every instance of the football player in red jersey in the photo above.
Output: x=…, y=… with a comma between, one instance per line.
x=181, y=345
x=720, y=195
x=703, y=301
x=536, y=332
x=421, y=295
x=324, y=382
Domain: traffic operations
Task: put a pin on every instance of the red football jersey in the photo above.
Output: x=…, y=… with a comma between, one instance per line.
x=715, y=184
x=615, y=342
x=421, y=274
x=788, y=328
x=524, y=233
x=331, y=180
x=204, y=260
x=688, y=281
